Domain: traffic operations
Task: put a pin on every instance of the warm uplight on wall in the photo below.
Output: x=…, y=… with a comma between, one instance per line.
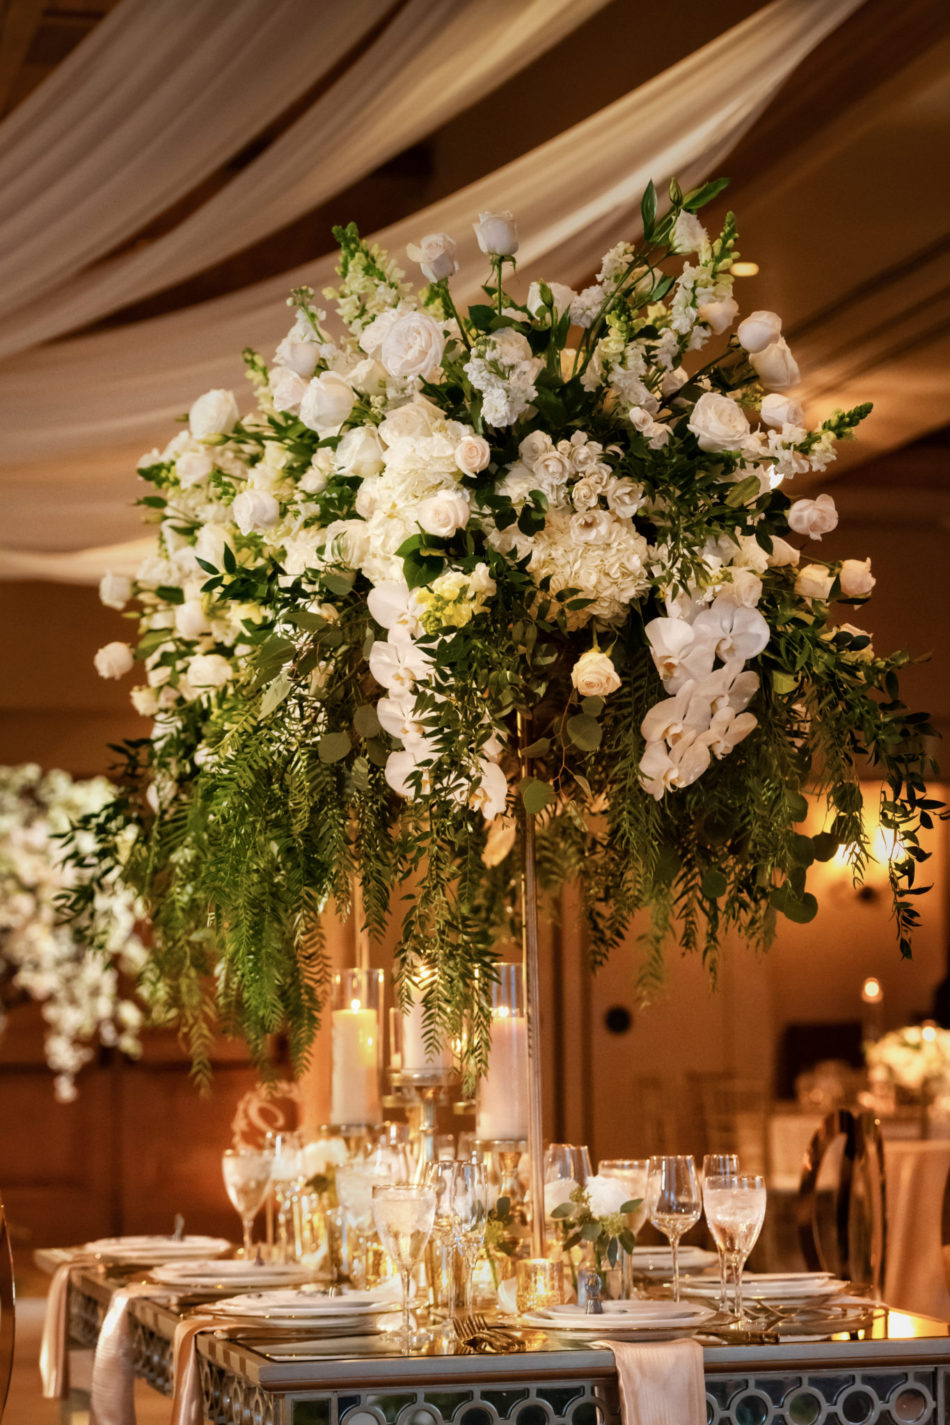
x=872, y=1009
x=928, y=1031
x=871, y=991
x=744, y=269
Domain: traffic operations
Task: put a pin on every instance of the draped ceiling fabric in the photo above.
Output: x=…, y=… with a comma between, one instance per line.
x=406, y=84
x=75, y=416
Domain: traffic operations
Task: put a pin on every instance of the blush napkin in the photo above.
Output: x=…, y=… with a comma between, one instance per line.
x=661, y=1382
x=187, y=1406
x=54, y=1352
x=113, y=1377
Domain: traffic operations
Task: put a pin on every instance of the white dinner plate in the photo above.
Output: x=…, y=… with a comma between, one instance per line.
x=772, y=1286
x=156, y=1249
x=656, y=1261
x=233, y=1271
x=632, y=1310
x=663, y=1318
x=299, y=1304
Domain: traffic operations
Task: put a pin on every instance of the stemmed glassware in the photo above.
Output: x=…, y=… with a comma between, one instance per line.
x=387, y=1161
x=721, y=1165
x=674, y=1202
x=286, y=1173
x=564, y=1163
x=461, y=1214
x=735, y=1211
x=247, y=1178
x=404, y=1215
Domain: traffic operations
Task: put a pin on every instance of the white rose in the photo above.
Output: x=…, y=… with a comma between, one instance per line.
x=718, y=423
x=856, y=578
x=417, y=419
x=255, y=509
x=435, y=254
x=472, y=454
x=214, y=413
x=758, y=330
x=445, y=513
x=360, y=452
x=300, y=357
x=115, y=590
x=778, y=411
x=782, y=553
x=211, y=543
x=718, y=316
x=497, y=234
x=814, y=582
x=594, y=675
x=208, y=670
x=368, y=376
x=193, y=466
x=190, y=619
x=145, y=701
x=327, y=402
x=775, y=366
x=557, y=1192
x=562, y=294
x=623, y=496
x=591, y=526
x=688, y=235
x=113, y=660
x=607, y=1195
x=287, y=388
x=813, y=517
x=413, y=345
x=371, y=338
x=534, y=445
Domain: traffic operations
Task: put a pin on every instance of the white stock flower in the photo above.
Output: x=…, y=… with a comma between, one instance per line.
x=497, y=234
x=778, y=411
x=214, y=413
x=435, y=254
x=594, y=675
x=775, y=366
x=445, y=513
x=856, y=578
x=326, y=403
x=719, y=314
x=114, y=660
x=814, y=581
x=412, y=345
x=688, y=235
x=758, y=330
x=115, y=590
x=255, y=510
x=813, y=517
x=208, y=670
x=718, y=423
x=472, y=454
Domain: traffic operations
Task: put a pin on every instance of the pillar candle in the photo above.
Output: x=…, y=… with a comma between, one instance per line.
x=414, y=1055
x=503, y=1092
x=354, y=1094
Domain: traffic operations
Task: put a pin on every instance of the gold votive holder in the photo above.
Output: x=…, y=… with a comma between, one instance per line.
x=539, y=1283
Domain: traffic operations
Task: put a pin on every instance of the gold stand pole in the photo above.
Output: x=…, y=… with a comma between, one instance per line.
x=532, y=994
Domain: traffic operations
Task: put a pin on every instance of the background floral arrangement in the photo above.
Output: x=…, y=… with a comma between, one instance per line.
x=912, y=1056
x=79, y=986
x=534, y=558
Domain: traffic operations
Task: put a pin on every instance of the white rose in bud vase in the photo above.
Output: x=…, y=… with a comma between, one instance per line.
x=214, y=413
x=412, y=346
x=778, y=411
x=190, y=619
x=563, y=297
x=775, y=366
x=114, y=660
x=814, y=581
x=497, y=234
x=255, y=510
x=557, y=1192
x=607, y=1195
x=472, y=454
x=718, y=423
x=689, y=235
x=208, y=670
x=813, y=517
x=594, y=675
x=758, y=330
x=444, y=514
x=115, y=590
x=718, y=316
x=856, y=578
x=360, y=452
x=435, y=254
x=327, y=402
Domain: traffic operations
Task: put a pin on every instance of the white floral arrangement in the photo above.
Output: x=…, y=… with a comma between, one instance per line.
x=79, y=987
x=531, y=559
x=913, y=1056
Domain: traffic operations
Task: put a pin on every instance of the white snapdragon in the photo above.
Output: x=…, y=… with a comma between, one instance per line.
x=503, y=368
x=688, y=235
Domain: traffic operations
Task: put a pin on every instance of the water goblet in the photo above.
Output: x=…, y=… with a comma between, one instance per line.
x=634, y=1174
x=286, y=1173
x=469, y=1204
x=674, y=1202
x=404, y=1215
x=721, y=1165
x=247, y=1176
x=735, y=1211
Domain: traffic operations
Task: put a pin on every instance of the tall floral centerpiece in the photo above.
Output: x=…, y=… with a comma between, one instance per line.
x=80, y=987
x=536, y=558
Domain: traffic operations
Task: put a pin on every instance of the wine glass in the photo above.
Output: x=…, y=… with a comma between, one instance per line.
x=247, y=1175
x=567, y=1164
x=634, y=1174
x=674, y=1202
x=355, y=1180
x=440, y=1262
x=735, y=1211
x=469, y=1202
x=286, y=1172
x=721, y=1165
x=404, y=1215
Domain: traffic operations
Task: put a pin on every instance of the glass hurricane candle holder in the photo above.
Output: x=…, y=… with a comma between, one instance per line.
x=355, y=1041
x=539, y=1283
x=502, y=1111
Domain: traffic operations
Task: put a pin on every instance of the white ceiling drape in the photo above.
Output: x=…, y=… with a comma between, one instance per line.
x=75, y=416
x=407, y=83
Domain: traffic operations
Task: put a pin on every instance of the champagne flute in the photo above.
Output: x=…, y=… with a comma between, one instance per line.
x=674, y=1202
x=286, y=1172
x=470, y=1212
x=721, y=1165
x=440, y=1260
x=247, y=1176
x=735, y=1211
x=634, y=1174
x=404, y=1215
